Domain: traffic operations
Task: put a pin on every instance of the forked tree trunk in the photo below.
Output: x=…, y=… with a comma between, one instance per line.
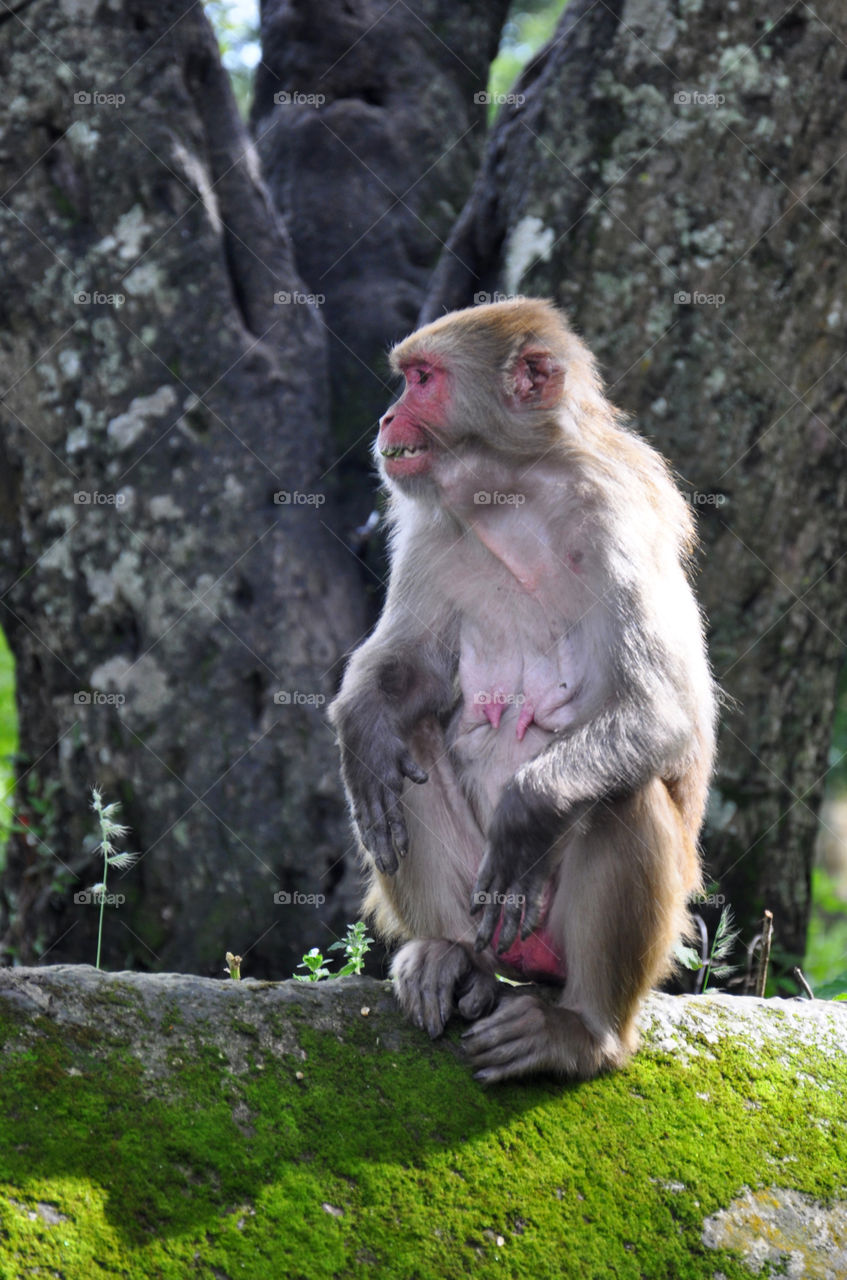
x=675, y=179
x=176, y=623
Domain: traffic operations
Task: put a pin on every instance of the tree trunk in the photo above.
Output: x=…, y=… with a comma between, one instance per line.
x=673, y=180
x=371, y=128
x=175, y=600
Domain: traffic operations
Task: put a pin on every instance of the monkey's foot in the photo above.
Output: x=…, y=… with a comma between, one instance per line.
x=434, y=976
x=527, y=1036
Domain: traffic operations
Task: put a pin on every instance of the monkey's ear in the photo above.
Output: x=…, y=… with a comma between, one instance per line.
x=535, y=379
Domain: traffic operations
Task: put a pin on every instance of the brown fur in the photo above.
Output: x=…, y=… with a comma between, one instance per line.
x=563, y=597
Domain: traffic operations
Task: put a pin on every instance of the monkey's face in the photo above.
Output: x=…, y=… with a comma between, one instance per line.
x=408, y=442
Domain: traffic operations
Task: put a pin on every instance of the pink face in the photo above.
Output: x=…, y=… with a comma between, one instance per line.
x=406, y=437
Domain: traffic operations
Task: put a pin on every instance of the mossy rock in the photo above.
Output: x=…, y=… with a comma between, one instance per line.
x=173, y=1126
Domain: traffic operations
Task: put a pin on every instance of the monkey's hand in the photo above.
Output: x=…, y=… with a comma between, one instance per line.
x=519, y=859
x=374, y=776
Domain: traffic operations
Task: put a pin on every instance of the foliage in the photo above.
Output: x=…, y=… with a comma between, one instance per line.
x=826, y=948
x=236, y=24
x=722, y=943
x=109, y=832
x=529, y=26
x=838, y=749
x=313, y=961
x=355, y=944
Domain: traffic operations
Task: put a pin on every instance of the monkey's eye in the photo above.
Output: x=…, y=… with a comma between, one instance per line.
x=424, y=376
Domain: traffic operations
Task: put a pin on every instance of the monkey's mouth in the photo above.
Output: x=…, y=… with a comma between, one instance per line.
x=403, y=450
x=405, y=459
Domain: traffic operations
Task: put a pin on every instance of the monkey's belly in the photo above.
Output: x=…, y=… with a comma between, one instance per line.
x=485, y=759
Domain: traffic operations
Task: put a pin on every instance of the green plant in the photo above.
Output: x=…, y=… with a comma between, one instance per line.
x=722, y=944
x=109, y=831
x=355, y=944
x=313, y=961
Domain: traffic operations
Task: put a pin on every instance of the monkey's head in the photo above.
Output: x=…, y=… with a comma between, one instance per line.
x=490, y=378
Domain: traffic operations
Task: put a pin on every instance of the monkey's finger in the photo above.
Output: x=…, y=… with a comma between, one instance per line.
x=482, y=887
x=534, y=909
x=511, y=920
x=411, y=769
x=488, y=924
x=399, y=835
x=381, y=845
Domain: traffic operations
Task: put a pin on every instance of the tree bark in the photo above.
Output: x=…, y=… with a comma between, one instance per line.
x=174, y=595
x=370, y=126
x=673, y=180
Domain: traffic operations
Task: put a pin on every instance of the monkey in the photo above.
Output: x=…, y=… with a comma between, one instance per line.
x=527, y=736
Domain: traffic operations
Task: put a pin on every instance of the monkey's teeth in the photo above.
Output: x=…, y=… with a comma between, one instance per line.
x=403, y=451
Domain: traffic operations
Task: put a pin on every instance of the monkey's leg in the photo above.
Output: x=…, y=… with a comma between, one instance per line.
x=618, y=911
x=427, y=900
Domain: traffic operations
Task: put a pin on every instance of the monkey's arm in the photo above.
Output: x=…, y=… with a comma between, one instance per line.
x=392, y=682
x=647, y=731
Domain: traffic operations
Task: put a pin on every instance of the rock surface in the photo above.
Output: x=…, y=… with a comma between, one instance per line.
x=169, y=1125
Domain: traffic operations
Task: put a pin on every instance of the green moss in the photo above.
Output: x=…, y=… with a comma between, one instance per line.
x=381, y=1162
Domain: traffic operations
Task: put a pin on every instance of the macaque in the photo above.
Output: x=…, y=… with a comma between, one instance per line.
x=527, y=736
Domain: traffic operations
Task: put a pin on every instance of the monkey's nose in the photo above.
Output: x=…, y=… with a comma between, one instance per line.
x=386, y=419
